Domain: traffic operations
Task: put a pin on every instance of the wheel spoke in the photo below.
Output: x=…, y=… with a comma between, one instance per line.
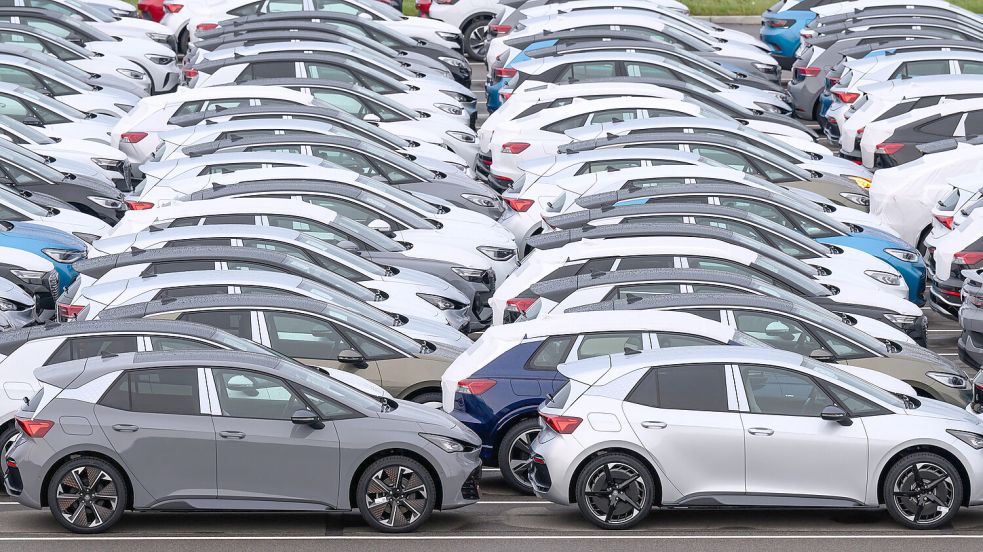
x=631, y=501
x=931, y=485
x=918, y=511
x=611, y=504
x=608, y=478
x=626, y=482
x=79, y=512
x=383, y=487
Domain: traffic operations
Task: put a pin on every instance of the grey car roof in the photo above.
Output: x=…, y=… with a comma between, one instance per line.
x=671, y=137
x=560, y=288
x=943, y=41
x=210, y=66
x=326, y=83
x=312, y=31
x=76, y=373
x=282, y=185
x=838, y=28
x=905, y=12
x=578, y=219
x=693, y=300
x=586, y=34
x=197, y=302
x=11, y=340
x=195, y=118
x=832, y=39
x=323, y=140
x=554, y=240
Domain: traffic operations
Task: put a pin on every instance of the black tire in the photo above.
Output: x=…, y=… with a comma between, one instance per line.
x=923, y=491
x=429, y=397
x=515, y=454
x=183, y=41
x=7, y=437
x=100, y=490
x=395, y=494
x=615, y=491
x=472, y=32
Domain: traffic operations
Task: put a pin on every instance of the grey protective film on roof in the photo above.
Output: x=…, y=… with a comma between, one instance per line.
x=195, y=118
x=580, y=34
x=260, y=19
x=560, y=288
x=948, y=144
x=244, y=141
x=671, y=137
x=310, y=31
x=551, y=51
x=825, y=41
x=210, y=66
x=199, y=302
x=581, y=218
x=555, y=240
x=943, y=41
x=912, y=23
x=279, y=185
x=889, y=13
x=326, y=83
x=10, y=341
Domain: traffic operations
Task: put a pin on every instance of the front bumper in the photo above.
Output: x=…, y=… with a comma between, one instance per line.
x=460, y=480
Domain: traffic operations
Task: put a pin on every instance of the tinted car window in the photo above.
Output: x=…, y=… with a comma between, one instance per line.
x=667, y=340
x=632, y=263
x=782, y=392
x=641, y=291
x=235, y=322
x=922, y=68
x=306, y=337
x=156, y=391
x=608, y=344
x=75, y=348
x=855, y=404
x=945, y=126
x=687, y=387
x=587, y=70
x=609, y=166
x=171, y=343
x=969, y=67
x=552, y=352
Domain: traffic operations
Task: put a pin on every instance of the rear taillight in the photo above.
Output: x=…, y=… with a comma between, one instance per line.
x=135, y=205
x=807, y=33
x=69, y=312
x=514, y=148
x=847, y=97
x=423, y=6
x=780, y=23
x=968, y=258
x=518, y=205
x=206, y=26
x=505, y=72
x=132, y=137
x=806, y=71
x=832, y=81
x=35, y=429
x=190, y=73
x=173, y=8
x=888, y=149
x=520, y=304
x=496, y=30
x=561, y=424
x=944, y=221
x=475, y=386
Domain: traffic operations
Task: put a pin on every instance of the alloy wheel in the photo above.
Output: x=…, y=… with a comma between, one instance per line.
x=520, y=455
x=396, y=496
x=615, y=493
x=476, y=40
x=87, y=497
x=923, y=492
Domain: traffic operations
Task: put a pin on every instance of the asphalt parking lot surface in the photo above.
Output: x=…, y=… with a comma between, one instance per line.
x=505, y=520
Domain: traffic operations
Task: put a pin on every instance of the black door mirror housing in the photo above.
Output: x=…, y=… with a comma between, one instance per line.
x=833, y=413
x=308, y=418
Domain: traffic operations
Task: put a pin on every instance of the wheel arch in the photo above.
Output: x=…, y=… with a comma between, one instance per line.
x=392, y=451
x=924, y=447
x=508, y=422
x=419, y=389
x=94, y=454
x=476, y=17
x=656, y=496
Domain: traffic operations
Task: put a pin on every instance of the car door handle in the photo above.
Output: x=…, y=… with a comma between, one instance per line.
x=231, y=434
x=760, y=431
x=654, y=425
x=125, y=428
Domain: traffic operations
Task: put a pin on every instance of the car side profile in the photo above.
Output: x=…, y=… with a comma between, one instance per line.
x=745, y=427
x=221, y=418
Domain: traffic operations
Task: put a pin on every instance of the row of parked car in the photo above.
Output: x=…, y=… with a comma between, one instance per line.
x=290, y=249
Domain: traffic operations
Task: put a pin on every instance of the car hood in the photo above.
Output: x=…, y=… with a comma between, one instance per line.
x=9, y=290
x=931, y=408
x=412, y=412
x=43, y=236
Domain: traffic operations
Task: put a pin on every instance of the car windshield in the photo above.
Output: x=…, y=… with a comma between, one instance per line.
x=340, y=255
x=64, y=67
x=329, y=387
x=29, y=133
x=849, y=381
x=241, y=344
x=337, y=298
x=368, y=236
x=18, y=202
x=29, y=163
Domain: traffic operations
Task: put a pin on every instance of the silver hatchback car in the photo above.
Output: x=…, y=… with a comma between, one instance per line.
x=224, y=430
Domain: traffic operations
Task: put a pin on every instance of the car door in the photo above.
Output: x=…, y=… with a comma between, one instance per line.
x=261, y=454
x=315, y=342
x=686, y=417
x=791, y=451
x=157, y=421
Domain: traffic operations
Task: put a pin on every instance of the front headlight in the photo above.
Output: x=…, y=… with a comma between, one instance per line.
x=902, y=254
x=447, y=443
x=885, y=278
x=482, y=201
x=441, y=303
x=974, y=440
x=123, y=107
x=902, y=320
x=453, y=37
x=454, y=62
x=470, y=274
x=458, y=96
x=131, y=74
x=497, y=253
x=106, y=202
x=7, y=305
x=859, y=199
x=448, y=108
x=66, y=256
x=860, y=181
x=33, y=277
x=160, y=60
x=954, y=381
x=106, y=163
x=159, y=37
x=466, y=137
x=87, y=238
x=767, y=107
x=766, y=67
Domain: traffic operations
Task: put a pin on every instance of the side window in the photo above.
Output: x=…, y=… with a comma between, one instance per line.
x=782, y=392
x=329, y=72
x=560, y=127
x=969, y=67
x=727, y=157
x=722, y=265
x=647, y=71
x=613, y=116
x=337, y=7
x=325, y=407
x=667, y=340
x=156, y=391
x=811, y=227
x=75, y=348
x=765, y=210
x=314, y=229
x=944, y=126
x=552, y=352
x=609, y=166
x=655, y=261
x=14, y=108
x=686, y=387
x=15, y=75
x=843, y=349
x=299, y=336
x=230, y=219
x=243, y=394
x=922, y=68
x=285, y=148
x=588, y=70
x=178, y=266
x=343, y=101
x=248, y=9
x=170, y=343
x=855, y=404
x=778, y=331
x=190, y=291
x=974, y=123
x=235, y=322
x=594, y=345
x=229, y=168
x=348, y=208
x=272, y=70
x=284, y=6
x=9, y=214
x=187, y=108
x=736, y=227
x=641, y=291
x=370, y=348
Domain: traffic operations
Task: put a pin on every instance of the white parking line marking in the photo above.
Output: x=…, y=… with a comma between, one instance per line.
x=589, y=536
x=952, y=330
x=948, y=354
x=514, y=502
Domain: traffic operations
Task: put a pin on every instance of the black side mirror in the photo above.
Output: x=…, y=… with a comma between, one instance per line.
x=308, y=418
x=833, y=413
x=32, y=121
x=354, y=358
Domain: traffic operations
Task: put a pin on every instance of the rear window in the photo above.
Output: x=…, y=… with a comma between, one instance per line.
x=32, y=405
x=560, y=399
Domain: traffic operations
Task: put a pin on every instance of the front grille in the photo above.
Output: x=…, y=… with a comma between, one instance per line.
x=471, y=490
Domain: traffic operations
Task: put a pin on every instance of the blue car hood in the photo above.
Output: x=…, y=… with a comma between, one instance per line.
x=34, y=237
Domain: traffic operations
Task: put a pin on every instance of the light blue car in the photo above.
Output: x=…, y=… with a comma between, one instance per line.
x=780, y=28
x=56, y=247
x=495, y=82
